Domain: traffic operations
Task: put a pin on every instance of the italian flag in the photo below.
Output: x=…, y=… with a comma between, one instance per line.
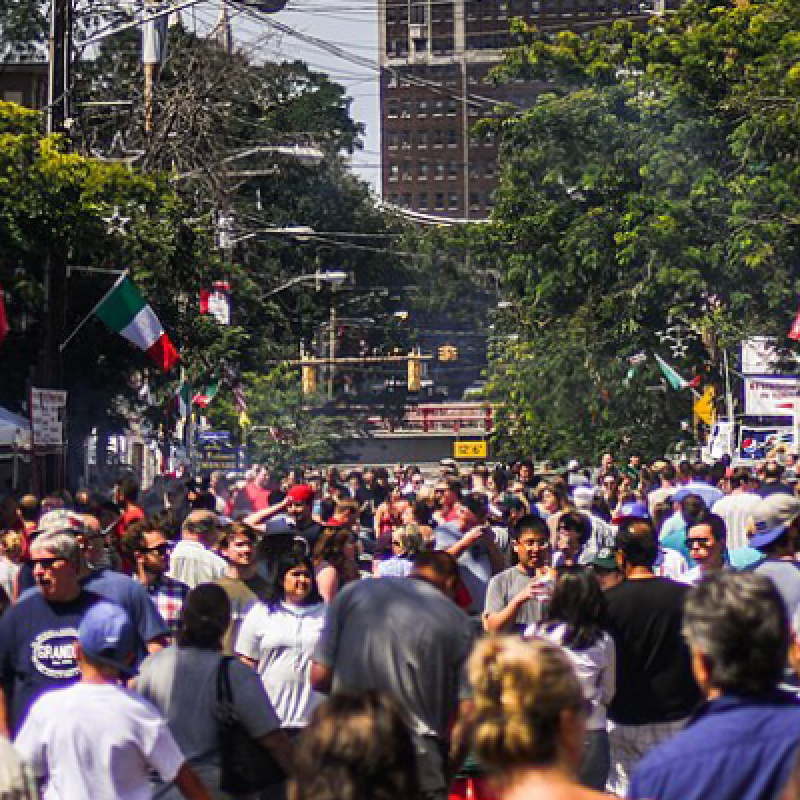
x=124, y=311
x=673, y=378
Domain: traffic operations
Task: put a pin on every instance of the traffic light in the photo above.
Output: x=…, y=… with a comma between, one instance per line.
x=414, y=374
x=448, y=352
x=309, y=380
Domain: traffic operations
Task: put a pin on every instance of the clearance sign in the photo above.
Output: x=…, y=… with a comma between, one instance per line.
x=471, y=449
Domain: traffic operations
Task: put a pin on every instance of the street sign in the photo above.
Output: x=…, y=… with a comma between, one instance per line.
x=47, y=417
x=205, y=437
x=220, y=456
x=471, y=449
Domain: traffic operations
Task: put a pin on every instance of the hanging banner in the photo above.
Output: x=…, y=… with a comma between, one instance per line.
x=217, y=302
x=771, y=396
x=48, y=407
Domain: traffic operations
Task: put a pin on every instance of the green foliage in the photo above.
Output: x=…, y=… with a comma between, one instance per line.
x=657, y=183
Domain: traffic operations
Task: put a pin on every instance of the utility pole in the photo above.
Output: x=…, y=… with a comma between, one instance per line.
x=49, y=472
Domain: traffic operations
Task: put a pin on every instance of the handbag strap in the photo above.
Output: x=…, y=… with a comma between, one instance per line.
x=224, y=691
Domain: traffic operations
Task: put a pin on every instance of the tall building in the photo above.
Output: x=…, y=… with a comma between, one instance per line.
x=435, y=56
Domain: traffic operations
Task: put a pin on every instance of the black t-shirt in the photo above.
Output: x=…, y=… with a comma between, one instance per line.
x=654, y=677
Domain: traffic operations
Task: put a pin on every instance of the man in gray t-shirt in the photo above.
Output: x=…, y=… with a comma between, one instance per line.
x=776, y=533
x=517, y=597
x=405, y=637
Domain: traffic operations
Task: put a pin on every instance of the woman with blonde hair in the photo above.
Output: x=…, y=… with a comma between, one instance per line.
x=528, y=723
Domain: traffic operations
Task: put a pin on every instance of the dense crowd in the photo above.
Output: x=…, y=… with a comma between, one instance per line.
x=488, y=633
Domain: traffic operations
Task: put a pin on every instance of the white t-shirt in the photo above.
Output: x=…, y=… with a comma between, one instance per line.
x=282, y=643
x=736, y=509
x=670, y=564
x=595, y=667
x=193, y=564
x=97, y=741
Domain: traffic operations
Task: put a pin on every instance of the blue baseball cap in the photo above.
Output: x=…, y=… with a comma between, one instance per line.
x=772, y=517
x=107, y=636
x=631, y=511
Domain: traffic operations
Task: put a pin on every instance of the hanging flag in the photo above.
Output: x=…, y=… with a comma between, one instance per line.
x=794, y=331
x=3, y=317
x=704, y=406
x=204, y=397
x=183, y=400
x=124, y=311
x=217, y=302
x=673, y=379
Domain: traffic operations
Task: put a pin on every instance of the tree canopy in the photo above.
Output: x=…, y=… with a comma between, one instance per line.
x=654, y=183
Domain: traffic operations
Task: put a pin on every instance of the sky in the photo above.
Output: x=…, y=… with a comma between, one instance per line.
x=348, y=25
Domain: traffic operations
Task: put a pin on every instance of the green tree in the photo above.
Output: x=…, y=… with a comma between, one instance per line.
x=653, y=184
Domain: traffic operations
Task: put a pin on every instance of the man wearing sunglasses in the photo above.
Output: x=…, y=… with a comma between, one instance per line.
x=151, y=553
x=706, y=544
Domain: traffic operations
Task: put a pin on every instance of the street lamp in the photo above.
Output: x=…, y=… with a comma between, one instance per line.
x=334, y=278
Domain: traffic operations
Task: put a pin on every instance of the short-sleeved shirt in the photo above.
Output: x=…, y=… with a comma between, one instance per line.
x=181, y=682
x=474, y=565
x=506, y=585
x=169, y=597
x=37, y=648
x=133, y=597
x=281, y=641
x=402, y=636
x=193, y=564
x=654, y=676
x=735, y=748
x=243, y=595
x=98, y=741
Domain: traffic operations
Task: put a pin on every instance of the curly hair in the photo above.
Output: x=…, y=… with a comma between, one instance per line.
x=520, y=690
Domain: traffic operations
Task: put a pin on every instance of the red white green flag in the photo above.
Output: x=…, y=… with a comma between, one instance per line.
x=204, y=397
x=124, y=311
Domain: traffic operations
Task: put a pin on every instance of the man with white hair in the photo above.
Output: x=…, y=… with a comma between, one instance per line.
x=192, y=561
x=602, y=534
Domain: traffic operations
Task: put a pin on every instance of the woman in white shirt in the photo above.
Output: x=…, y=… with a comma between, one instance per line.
x=278, y=637
x=575, y=620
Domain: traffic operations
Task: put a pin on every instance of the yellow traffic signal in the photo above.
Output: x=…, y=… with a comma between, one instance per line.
x=309, y=380
x=448, y=352
x=414, y=374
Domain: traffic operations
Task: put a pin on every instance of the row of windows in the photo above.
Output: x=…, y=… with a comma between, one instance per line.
x=421, y=140
x=440, y=46
x=440, y=75
x=440, y=12
x=424, y=106
x=477, y=201
x=452, y=170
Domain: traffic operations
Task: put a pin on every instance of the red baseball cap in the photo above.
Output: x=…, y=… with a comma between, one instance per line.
x=302, y=493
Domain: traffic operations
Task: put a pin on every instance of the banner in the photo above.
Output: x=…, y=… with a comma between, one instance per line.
x=759, y=357
x=756, y=444
x=773, y=396
x=48, y=408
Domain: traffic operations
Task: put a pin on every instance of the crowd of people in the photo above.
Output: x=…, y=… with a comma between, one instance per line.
x=493, y=633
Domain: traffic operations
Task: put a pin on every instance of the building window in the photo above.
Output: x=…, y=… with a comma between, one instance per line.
x=422, y=107
x=452, y=107
x=489, y=169
x=406, y=109
x=438, y=138
x=418, y=13
x=452, y=137
x=406, y=200
x=423, y=201
x=439, y=201
x=405, y=140
x=452, y=170
x=420, y=46
x=394, y=172
x=438, y=107
x=489, y=139
x=439, y=170
x=393, y=198
x=422, y=170
x=474, y=201
x=453, y=200
x=399, y=47
x=394, y=140
x=392, y=108
x=474, y=170
x=490, y=200
x=392, y=81
x=406, y=173
x=422, y=140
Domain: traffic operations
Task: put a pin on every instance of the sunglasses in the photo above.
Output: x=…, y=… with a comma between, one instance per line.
x=161, y=549
x=46, y=563
x=690, y=543
x=397, y=544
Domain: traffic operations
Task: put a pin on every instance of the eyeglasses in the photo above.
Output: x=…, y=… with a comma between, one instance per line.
x=46, y=563
x=162, y=549
x=397, y=544
x=690, y=543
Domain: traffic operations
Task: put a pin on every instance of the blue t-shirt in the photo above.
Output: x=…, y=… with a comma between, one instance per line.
x=133, y=597
x=735, y=748
x=37, y=648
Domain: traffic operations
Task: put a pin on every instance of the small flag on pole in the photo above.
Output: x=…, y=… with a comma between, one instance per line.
x=794, y=331
x=124, y=311
x=673, y=378
x=204, y=397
